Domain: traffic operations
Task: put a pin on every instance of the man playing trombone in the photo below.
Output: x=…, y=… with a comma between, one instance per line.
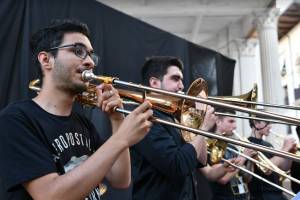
x=260, y=190
x=163, y=163
x=49, y=151
x=231, y=185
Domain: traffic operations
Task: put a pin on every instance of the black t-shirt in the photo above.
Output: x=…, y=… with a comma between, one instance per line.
x=227, y=191
x=259, y=188
x=35, y=143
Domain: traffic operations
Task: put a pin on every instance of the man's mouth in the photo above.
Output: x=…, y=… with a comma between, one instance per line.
x=79, y=71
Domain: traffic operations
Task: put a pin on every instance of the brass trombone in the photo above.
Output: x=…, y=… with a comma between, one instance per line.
x=255, y=118
x=260, y=178
x=263, y=163
x=169, y=104
x=259, y=163
x=88, y=76
x=250, y=99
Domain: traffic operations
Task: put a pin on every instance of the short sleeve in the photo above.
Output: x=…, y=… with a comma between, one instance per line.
x=23, y=155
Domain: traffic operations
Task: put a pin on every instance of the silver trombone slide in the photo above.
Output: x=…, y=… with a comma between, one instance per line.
x=256, y=103
x=255, y=118
x=262, y=164
x=259, y=177
x=223, y=138
x=88, y=75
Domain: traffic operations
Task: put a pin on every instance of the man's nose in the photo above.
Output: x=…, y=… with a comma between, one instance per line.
x=181, y=86
x=88, y=62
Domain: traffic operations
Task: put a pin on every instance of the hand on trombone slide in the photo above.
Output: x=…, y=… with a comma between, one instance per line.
x=209, y=119
x=289, y=145
x=239, y=160
x=248, y=152
x=229, y=168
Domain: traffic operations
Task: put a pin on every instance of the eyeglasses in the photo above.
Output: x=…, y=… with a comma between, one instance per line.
x=80, y=51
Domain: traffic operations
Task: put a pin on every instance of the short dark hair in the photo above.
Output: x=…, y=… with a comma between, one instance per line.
x=224, y=110
x=252, y=123
x=52, y=36
x=157, y=67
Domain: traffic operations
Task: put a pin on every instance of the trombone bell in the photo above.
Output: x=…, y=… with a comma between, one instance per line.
x=240, y=100
x=192, y=115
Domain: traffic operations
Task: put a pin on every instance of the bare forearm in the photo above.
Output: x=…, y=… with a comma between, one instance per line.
x=213, y=173
x=282, y=163
x=227, y=177
x=120, y=174
x=249, y=166
x=115, y=124
x=78, y=183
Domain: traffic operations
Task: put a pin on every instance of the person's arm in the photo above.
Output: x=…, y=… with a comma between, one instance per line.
x=249, y=166
x=216, y=171
x=119, y=176
x=227, y=177
x=239, y=161
x=209, y=120
x=79, y=182
x=200, y=146
x=289, y=145
x=199, y=141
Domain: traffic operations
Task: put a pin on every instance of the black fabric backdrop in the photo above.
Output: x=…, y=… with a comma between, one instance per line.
x=122, y=42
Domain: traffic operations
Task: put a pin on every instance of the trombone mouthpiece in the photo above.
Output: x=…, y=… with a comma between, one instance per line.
x=87, y=75
x=235, y=133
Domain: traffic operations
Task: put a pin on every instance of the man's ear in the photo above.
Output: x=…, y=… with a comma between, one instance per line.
x=154, y=82
x=45, y=60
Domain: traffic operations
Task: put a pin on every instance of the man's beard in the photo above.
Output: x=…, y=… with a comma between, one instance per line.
x=77, y=88
x=63, y=79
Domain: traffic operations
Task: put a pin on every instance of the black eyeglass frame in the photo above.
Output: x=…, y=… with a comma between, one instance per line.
x=94, y=56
